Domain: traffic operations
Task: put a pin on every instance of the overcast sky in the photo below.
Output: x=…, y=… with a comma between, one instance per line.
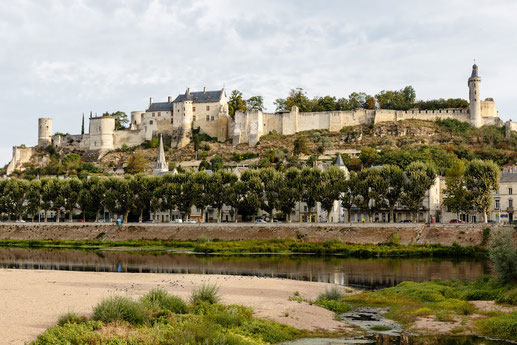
x=60, y=59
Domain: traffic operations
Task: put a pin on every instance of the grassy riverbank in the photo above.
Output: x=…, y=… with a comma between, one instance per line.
x=441, y=305
x=285, y=246
x=161, y=318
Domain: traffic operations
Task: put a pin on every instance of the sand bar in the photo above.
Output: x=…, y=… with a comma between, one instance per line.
x=32, y=300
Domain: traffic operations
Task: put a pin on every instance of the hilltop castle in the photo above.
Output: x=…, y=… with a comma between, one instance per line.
x=208, y=110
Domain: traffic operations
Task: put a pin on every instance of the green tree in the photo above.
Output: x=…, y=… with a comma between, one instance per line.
x=71, y=191
x=142, y=189
x=203, y=197
x=349, y=193
x=419, y=179
x=298, y=97
x=15, y=190
x=368, y=156
x=72, y=163
x=331, y=182
x=121, y=119
x=251, y=196
x=481, y=179
x=91, y=196
x=255, y=103
x=503, y=254
x=357, y=100
x=166, y=197
x=185, y=193
x=136, y=163
x=33, y=198
x=217, y=163
x=394, y=177
x=311, y=187
x=220, y=188
x=271, y=183
x=300, y=146
x=456, y=194
x=48, y=195
x=236, y=103
x=290, y=191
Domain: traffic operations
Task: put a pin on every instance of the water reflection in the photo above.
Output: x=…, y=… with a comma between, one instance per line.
x=371, y=273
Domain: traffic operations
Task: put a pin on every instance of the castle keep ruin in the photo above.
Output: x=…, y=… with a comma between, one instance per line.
x=208, y=110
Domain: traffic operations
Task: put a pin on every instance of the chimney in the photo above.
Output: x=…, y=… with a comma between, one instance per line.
x=170, y=99
x=150, y=101
x=188, y=91
x=204, y=89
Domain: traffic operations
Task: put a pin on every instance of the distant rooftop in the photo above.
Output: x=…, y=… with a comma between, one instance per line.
x=200, y=96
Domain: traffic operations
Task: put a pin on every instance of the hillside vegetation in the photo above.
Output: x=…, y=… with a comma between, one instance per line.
x=399, y=143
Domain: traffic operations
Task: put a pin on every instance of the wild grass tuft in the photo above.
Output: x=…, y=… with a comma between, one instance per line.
x=70, y=317
x=159, y=299
x=332, y=294
x=207, y=293
x=119, y=308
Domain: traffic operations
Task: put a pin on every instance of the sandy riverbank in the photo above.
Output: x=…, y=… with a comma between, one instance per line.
x=31, y=301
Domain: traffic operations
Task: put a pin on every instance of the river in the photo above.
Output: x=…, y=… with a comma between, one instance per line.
x=364, y=273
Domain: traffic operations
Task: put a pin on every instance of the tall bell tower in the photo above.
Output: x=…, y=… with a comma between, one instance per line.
x=475, y=98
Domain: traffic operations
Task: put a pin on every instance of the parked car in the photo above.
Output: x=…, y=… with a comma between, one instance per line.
x=20, y=221
x=177, y=220
x=457, y=221
x=191, y=221
x=260, y=220
x=406, y=221
x=149, y=221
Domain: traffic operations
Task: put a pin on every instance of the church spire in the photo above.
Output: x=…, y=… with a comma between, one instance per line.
x=161, y=165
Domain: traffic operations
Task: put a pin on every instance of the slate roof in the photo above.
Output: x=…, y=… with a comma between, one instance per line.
x=508, y=177
x=474, y=71
x=200, y=96
x=339, y=161
x=160, y=106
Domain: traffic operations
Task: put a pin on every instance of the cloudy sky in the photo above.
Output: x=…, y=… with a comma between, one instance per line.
x=60, y=59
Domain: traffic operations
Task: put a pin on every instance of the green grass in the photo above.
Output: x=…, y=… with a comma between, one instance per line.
x=204, y=323
x=381, y=328
x=207, y=293
x=503, y=326
x=332, y=299
x=119, y=308
x=160, y=300
x=284, y=246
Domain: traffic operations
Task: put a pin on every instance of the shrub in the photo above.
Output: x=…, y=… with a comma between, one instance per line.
x=394, y=239
x=338, y=307
x=486, y=236
x=503, y=255
x=509, y=297
x=82, y=333
x=208, y=293
x=70, y=317
x=503, y=326
x=332, y=294
x=269, y=331
x=119, y=308
x=160, y=299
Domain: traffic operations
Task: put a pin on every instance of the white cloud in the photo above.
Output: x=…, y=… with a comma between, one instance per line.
x=63, y=58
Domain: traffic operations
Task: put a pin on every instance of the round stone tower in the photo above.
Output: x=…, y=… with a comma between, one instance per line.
x=102, y=130
x=475, y=98
x=44, y=132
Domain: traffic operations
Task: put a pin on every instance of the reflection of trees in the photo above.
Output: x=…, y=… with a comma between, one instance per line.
x=363, y=272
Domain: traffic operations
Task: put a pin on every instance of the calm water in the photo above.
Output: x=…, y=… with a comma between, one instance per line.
x=368, y=273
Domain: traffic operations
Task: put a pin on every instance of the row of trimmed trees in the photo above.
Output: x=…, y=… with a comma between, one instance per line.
x=266, y=189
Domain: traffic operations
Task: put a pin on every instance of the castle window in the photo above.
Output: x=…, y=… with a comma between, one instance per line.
x=193, y=108
x=208, y=118
x=510, y=191
x=510, y=203
x=159, y=114
x=151, y=122
x=212, y=118
x=497, y=204
x=172, y=120
x=153, y=114
x=194, y=117
x=207, y=108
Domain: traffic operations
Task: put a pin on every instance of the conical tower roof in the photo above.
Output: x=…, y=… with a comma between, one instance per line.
x=161, y=165
x=339, y=161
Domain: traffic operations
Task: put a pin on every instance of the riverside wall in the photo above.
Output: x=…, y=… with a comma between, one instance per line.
x=462, y=234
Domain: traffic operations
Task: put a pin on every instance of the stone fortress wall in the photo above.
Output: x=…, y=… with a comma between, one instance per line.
x=208, y=110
